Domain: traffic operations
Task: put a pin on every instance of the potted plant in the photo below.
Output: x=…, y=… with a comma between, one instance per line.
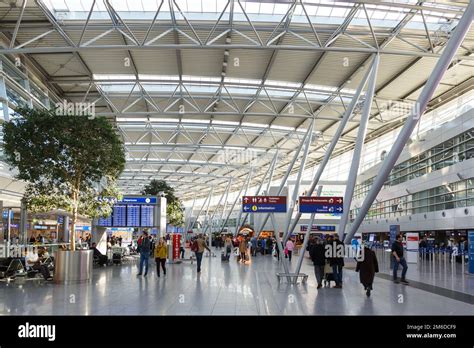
x=69, y=162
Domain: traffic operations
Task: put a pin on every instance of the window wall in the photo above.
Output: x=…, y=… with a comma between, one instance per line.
x=456, y=195
x=454, y=150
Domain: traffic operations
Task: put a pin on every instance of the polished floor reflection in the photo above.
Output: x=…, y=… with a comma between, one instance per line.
x=221, y=289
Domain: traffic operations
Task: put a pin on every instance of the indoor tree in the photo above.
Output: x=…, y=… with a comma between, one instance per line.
x=174, y=208
x=69, y=162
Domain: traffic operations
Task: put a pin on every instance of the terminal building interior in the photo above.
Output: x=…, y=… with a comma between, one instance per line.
x=178, y=157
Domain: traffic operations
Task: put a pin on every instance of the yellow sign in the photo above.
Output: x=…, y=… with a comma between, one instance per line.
x=254, y=207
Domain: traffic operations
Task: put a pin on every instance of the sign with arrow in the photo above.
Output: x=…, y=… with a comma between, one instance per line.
x=321, y=205
x=264, y=204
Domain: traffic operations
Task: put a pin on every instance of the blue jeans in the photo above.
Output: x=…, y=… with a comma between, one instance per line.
x=337, y=271
x=144, y=257
x=199, y=259
x=402, y=262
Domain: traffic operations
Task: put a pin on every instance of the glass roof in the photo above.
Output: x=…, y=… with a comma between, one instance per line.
x=318, y=10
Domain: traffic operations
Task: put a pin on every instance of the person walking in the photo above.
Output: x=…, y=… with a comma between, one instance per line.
x=263, y=247
x=316, y=252
x=243, y=249
x=367, y=267
x=228, y=245
x=145, y=247
x=253, y=248
x=397, y=252
x=337, y=261
x=161, y=252
x=199, y=245
x=290, y=246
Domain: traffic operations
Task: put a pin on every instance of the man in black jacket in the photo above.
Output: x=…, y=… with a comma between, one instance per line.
x=316, y=252
x=397, y=252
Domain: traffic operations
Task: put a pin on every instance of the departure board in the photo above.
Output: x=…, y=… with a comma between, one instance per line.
x=147, y=212
x=105, y=221
x=120, y=215
x=131, y=211
x=133, y=215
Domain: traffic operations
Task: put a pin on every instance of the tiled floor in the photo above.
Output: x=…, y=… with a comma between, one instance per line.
x=441, y=273
x=221, y=289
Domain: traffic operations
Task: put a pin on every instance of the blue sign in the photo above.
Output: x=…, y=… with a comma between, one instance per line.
x=321, y=209
x=471, y=251
x=394, y=231
x=264, y=208
x=323, y=228
x=60, y=219
x=138, y=200
x=264, y=204
x=5, y=214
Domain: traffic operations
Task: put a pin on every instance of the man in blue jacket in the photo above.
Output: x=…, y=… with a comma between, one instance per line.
x=144, y=246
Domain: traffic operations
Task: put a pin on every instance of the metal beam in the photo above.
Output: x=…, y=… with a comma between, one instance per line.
x=296, y=189
x=335, y=139
x=306, y=237
x=354, y=167
x=426, y=94
x=102, y=48
x=287, y=173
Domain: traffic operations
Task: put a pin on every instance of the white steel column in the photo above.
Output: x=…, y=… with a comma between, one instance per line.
x=287, y=174
x=270, y=169
x=359, y=144
x=332, y=145
x=239, y=216
x=426, y=94
x=306, y=237
x=297, y=184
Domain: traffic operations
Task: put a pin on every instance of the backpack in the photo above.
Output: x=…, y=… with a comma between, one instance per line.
x=194, y=246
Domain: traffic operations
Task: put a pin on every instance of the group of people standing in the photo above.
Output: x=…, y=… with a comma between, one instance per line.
x=367, y=264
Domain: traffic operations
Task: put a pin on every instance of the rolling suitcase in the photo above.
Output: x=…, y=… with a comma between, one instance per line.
x=117, y=259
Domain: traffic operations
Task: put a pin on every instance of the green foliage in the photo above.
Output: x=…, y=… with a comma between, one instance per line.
x=90, y=202
x=63, y=159
x=174, y=210
x=51, y=150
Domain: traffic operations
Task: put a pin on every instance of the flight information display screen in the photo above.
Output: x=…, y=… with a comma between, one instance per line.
x=119, y=215
x=147, y=212
x=131, y=212
x=105, y=221
x=133, y=215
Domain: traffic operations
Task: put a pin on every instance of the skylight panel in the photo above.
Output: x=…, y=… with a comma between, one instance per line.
x=120, y=5
x=392, y=16
x=195, y=121
x=113, y=77
x=194, y=5
x=274, y=126
x=257, y=125
x=280, y=9
x=230, y=123
x=148, y=5
x=339, y=12
x=324, y=11
x=252, y=7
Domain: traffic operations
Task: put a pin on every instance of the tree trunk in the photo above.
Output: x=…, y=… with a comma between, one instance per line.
x=72, y=233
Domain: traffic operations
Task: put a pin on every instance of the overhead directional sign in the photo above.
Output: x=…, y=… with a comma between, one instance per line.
x=322, y=205
x=264, y=204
